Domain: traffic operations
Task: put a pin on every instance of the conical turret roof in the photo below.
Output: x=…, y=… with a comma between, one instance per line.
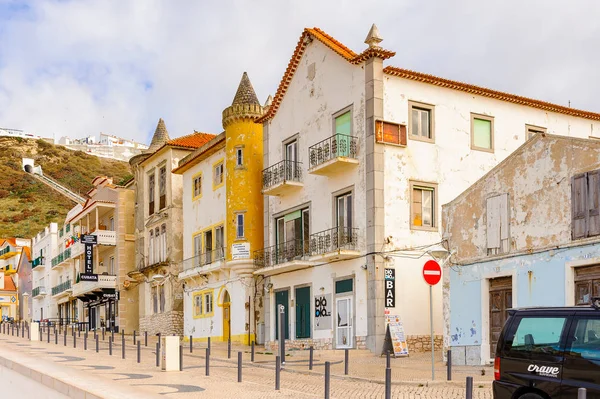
x=245, y=93
x=161, y=136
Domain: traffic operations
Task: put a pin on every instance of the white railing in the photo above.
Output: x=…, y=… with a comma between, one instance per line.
x=106, y=237
x=104, y=281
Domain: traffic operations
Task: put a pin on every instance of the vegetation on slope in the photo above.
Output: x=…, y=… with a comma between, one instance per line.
x=26, y=204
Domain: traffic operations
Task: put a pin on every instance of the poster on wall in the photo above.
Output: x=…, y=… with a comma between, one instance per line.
x=395, y=340
x=323, y=308
x=240, y=251
x=390, y=288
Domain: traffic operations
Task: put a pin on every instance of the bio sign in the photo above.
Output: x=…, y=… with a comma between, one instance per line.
x=390, y=288
x=323, y=312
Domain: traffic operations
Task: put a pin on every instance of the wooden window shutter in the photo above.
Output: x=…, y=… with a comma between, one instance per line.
x=392, y=133
x=593, y=186
x=579, y=209
x=493, y=223
x=504, y=222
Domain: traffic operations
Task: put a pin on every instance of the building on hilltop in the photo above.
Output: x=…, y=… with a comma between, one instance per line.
x=358, y=158
x=107, y=146
x=526, y=234
x=158, y=229
x=223, y=225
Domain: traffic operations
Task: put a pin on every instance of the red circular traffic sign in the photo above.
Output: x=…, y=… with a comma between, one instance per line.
x=432, y=272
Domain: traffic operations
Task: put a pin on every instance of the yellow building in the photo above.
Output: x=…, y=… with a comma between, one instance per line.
x=8, y=296
x=223, y=225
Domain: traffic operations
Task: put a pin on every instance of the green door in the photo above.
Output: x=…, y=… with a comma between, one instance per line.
x=343, y=128
x=281, y=298
x=303, y=312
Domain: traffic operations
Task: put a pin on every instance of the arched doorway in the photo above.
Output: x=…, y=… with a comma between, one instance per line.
x=226, y=316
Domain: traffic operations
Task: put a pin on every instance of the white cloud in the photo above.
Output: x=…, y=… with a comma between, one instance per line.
x=81, y=67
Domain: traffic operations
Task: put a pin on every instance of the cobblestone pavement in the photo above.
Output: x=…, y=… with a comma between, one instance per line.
x=410, y=376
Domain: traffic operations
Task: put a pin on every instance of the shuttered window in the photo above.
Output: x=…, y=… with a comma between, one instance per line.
x=390, y=133
x=498, y=225
x=585, y=207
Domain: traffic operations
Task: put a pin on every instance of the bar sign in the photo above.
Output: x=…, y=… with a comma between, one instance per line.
x=390, y=288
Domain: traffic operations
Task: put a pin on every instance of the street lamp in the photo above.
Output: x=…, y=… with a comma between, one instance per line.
x=438, y=252
x=158, y=278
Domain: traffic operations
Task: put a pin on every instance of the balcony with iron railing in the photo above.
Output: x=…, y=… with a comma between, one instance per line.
x=38, y=263
x=8, y=252
x=62, y=257
x=38, y=292
x=282, y=177
x=105, y=281
x=334, y=244
x=333, y=154
x=285, y=257
x=61, y=289
x=206, y=262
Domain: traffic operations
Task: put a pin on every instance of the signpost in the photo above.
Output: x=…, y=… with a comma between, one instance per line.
x=432, y=273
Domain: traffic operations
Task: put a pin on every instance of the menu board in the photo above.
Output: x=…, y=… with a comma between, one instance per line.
x=395, y=329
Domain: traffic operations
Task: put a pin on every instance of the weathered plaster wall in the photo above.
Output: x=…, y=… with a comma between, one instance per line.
x=537, y=179
x=307, y=110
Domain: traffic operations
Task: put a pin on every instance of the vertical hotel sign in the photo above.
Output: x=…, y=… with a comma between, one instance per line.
x=89, y=241
x=390, y=288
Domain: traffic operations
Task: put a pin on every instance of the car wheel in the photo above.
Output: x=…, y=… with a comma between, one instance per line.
x=531, y=396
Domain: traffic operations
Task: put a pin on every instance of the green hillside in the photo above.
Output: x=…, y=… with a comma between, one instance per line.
x=27, y=205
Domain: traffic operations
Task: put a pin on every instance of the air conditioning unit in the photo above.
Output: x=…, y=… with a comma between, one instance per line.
x=260, y=334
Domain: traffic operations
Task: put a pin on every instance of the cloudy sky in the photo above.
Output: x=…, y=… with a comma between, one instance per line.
x=116, y=66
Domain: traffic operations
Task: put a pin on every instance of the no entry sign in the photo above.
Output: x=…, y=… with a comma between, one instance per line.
x=432, y=272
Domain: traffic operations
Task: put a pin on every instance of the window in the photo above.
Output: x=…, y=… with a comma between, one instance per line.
x=482, y=132
x=423, y=206
x=390, y=133
x=151, y=194
x=240, y=225
x=420, y=121
x=163, y=242
x=197, y=301
x=162, y=298
x=197, y=186
x=239, y=156
x=162, y=187
x=111, y=224
x=291, y=168
x=498, y=225
x=293, y=233
x=585, y=198
x=219, y=241
x=68, y=228
x=587, y=284
x=155, y=299
x=208, y=242
x=208, y=303
x=218, y=175
x=539, y=335
x=61, y=232
x=586, y=344
x=111, y=266
x=344, y=218
x=531, y=131
x=151, y=249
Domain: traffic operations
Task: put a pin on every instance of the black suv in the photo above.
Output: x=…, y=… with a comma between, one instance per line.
x=549, y=353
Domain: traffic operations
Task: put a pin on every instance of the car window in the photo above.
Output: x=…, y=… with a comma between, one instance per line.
x=586, y=342
x=537, y=335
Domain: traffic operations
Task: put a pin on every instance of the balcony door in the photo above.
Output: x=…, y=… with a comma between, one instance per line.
x=293, y=234
x=344, y=219
x=208, y=247
x=343, y=130
x=291, y=157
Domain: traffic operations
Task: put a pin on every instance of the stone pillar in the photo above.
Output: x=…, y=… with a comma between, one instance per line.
x=375, y=205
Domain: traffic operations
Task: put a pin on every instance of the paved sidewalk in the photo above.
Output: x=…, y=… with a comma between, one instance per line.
x=411, y=376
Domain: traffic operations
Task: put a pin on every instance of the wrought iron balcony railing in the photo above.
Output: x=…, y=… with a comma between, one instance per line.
x=339, y=145
x=281, y=253
x=281, y=172
x=62, y=287
x=204, y=259
x=63, y=256
x=333, y=239
x=38, y=291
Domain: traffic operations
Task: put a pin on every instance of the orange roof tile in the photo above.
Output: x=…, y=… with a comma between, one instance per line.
x=9, y=284
x=194, y=140
x=485, y=92
x=354, y=58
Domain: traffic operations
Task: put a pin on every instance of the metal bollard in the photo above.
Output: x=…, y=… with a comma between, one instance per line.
x=23, y=330
x=84, y=342
x=55, y=337
x=65, y=337
x=208, y=361
x=469, y=393
x=103, y=331
x=208, y=344
x=327, y=379
x=310, y=358
x=48, y=335
x=180, y=357
x=110, y=342
x=388, y=383
x=97, y=347
x=139, y=355
x=228, y=348
x=134, y=337
x=157, y=354
x=191, y=344
x=145, y=338
x=122, y=346
x=74, y=341
x=346, y=359
x=239, y=366
x=277, y=373
x=581, y=393
x=112, y=335
x=387, y=360
x=449, y=364
x=252, y=353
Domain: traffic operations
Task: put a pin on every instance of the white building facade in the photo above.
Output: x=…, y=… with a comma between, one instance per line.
x=358, y=159
x=43, y=250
